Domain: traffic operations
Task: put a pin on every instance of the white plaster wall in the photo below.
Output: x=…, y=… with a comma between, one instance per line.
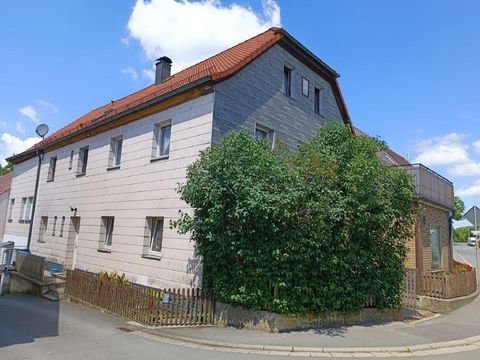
x=23, y=184
x=3, y=212
x=139, y=188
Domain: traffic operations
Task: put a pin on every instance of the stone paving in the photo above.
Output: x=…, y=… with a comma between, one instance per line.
x=455, y=332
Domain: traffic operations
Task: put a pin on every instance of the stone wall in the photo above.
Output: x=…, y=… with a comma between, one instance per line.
x=236, y=316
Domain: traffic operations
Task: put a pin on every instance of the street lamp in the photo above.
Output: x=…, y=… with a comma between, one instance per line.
x=41, y=131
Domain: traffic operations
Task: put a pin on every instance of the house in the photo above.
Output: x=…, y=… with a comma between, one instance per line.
x=5, y=183
x=431, y=249
x=107, y=185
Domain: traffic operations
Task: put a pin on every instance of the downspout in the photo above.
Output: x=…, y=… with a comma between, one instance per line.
x=450, y=240
x=40, y=154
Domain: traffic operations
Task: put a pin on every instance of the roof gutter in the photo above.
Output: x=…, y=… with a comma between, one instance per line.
x=32, y=152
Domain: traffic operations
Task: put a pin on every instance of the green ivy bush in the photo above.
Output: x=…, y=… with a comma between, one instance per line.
x=318, y=230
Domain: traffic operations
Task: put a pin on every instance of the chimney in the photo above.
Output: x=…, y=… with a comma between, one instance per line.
x=163, y=66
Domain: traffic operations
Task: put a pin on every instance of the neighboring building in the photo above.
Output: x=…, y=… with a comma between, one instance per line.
x=108, y=180
x=5, y=183
x=432, y=247
x=433, y=250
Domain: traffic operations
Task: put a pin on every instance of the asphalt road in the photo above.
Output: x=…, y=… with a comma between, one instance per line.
x=34, y=328
x=464, y=253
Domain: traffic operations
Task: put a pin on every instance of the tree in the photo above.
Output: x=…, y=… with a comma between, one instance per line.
x=6, y=169
x=321, y=229
x=462, y=234
x=459, y=208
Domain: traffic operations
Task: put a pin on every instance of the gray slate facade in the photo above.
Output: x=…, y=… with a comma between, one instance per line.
x=255, y=95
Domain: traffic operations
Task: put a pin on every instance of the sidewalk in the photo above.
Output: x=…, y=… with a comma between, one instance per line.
x=460, y=328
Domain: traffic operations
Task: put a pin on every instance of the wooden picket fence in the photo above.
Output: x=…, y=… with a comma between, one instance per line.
x=30, y=265
x=448, y=286
x=146, y=305
x=409, y=296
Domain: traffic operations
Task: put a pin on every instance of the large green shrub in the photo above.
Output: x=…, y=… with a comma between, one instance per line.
x=321, y=229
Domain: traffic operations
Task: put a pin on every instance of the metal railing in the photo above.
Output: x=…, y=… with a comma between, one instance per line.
x=7, y=254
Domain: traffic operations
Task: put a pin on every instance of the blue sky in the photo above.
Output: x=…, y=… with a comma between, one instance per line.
x=409, y=69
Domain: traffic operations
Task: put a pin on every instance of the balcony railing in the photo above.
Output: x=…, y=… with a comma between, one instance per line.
x=431, y=186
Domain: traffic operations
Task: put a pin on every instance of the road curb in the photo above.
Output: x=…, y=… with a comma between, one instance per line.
x=452, y=346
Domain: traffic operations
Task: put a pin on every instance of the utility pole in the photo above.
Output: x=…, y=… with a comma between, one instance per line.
x=476, y=241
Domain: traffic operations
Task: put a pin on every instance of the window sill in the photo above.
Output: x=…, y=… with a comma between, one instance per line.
x=152, y=256
x=113, y=168
x=164, y=157
x=24, y=221
x=81, y=174
x=108, y=251
x=50, y=180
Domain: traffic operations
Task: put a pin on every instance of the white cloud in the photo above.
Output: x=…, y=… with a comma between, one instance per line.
x=467, y=169
x=471, y=191
x=30, y=112
x=19, y=127
x=190, y=31
x=476, y=146
x=149, y=74
x=130, y=71
x=10, y=144
x=48, y=106
x=443, y=150
x=125, y=40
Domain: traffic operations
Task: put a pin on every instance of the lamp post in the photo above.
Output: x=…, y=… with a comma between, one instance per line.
x=41, y=131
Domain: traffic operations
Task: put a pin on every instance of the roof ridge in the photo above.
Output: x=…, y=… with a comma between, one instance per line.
x=209, y=71
x=274, y=29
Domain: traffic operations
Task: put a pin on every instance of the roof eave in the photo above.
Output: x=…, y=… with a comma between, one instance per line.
x=15, y=159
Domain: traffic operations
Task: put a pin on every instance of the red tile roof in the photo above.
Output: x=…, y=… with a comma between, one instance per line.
x=6, y=182
x=217, y=68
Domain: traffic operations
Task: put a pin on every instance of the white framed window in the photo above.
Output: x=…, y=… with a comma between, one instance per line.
x=305, y=87
x=106, y=233
x=262, y=132
x=26, y=209
x=319, y=102
x=436, y=247
x=115, y=152
x=10, y=210
x=70, y=164
x=154, y=235
x=42, y=236
x=287, y=80
x=62, y=226
x=51, y=168
x=22, y=208
x=82, y=161
x=161, y=145
x=54, y=226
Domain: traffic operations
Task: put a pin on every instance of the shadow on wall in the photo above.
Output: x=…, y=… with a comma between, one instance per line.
x=194, y=266
x=24, y=318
